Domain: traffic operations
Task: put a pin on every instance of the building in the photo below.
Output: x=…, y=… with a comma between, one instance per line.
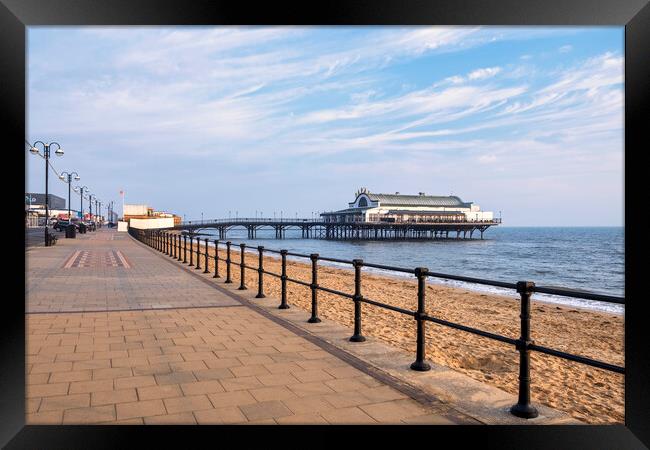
x=35, y=209
x=398, y=208
x=37, y=201
x=146, y=212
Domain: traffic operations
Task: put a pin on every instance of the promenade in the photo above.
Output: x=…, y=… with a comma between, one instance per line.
x=118, y=334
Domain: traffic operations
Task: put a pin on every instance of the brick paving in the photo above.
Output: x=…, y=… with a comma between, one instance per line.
x=148, y=343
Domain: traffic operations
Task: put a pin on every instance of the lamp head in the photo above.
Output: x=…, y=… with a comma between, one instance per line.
x=77, y=178
x=58, y=152
x=62, y=177
x=34, y=150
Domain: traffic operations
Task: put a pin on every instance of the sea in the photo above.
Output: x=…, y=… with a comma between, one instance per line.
x=583, y=258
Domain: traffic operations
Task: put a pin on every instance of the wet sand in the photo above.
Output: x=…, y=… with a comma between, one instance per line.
x=588, y=394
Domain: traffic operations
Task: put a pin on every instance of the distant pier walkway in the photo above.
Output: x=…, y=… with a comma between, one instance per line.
x=319, y=229
x=118, y=334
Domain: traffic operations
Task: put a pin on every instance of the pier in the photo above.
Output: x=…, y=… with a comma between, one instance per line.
x=361, y=230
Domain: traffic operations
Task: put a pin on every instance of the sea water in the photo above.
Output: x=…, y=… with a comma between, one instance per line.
x=583, y=258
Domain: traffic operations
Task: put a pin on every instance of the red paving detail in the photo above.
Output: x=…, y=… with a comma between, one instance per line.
x=94, y=259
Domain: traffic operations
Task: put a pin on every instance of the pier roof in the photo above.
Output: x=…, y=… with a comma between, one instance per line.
x=416, y=200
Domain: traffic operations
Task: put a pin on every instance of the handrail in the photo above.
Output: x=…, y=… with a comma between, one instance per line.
x=171, y=244
x=302, y=221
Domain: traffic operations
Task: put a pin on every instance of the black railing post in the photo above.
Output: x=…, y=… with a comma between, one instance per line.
x=157, y=242
x=206, y=257
x=228, y=279
x=357, y=336
x=420, y=364
x=165, y=242
x=198, y=253
x=314, y=288
x=179, y=253
x=523, y=408
x=283, y=280
x=184, y=248
x=173, y=255
x=260, y=273
x=242, y=267
x=216, y=259
x=191, y=251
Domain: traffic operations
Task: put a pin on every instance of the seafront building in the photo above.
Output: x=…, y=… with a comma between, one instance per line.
x=399, y=208
x=144, y=216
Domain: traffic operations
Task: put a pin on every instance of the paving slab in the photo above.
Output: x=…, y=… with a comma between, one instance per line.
x=118, y=333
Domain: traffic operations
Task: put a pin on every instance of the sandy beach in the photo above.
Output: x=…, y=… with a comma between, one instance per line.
x=588, y=394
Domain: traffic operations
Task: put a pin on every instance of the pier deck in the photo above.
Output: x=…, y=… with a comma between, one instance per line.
x=319, y=229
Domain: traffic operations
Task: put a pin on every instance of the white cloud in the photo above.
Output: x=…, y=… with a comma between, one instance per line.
x=481, y=74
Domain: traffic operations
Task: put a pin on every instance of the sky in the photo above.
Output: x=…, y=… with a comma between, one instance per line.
x=527, y=122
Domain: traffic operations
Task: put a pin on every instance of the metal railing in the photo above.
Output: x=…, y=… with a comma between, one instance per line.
x=264, y=220
x=175, y=245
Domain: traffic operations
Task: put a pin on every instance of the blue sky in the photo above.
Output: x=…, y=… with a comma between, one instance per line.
x=523, y=120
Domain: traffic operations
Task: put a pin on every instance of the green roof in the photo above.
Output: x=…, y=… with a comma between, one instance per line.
x=416, y=200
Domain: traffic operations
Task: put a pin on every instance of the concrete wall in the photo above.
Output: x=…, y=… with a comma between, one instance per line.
x=143, y=224
x=122, y=226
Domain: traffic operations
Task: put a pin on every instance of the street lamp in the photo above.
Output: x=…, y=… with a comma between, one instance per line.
x=67, y=178
x=80, y=190
x=46, y=155
x=100, y=212
x=90, y=205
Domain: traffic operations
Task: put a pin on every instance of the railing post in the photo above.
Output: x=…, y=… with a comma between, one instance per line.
x=184, y=248
x=420, y=364
x=283, y=279
x=157, y=241
x=357, y=336
x=228, y=279
x=314, y=288
x=523, y=408
x=198, y=253
x=242, y=267
x=216, y=259
x=173, y=254
x=191, y=251
x=206, y=257
x=260, y=273
x=179, y=253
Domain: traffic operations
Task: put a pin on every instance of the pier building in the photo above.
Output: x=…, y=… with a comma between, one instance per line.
x=369, y=207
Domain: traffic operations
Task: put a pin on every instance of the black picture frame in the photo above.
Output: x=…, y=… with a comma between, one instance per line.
x=16, y=15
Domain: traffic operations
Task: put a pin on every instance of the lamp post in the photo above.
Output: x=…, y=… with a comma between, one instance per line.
x=90, y=206
x=46, y=155
x=81, y=190
x=67, y=178
x=100, y=213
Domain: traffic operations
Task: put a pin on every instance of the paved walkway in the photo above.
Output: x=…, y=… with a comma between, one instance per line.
x=116, y=334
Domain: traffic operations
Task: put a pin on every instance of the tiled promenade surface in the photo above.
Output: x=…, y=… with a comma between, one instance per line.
x=141, y=341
